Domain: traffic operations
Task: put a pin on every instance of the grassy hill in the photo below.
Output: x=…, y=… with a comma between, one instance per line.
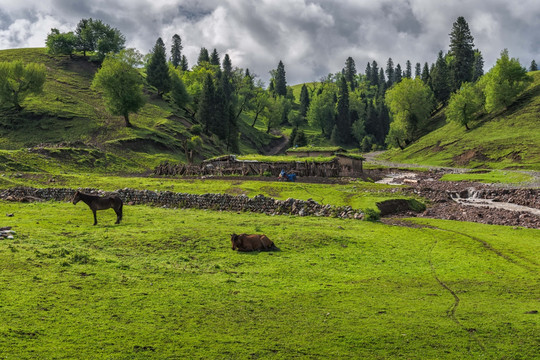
x=68, y=125
x=509, y=139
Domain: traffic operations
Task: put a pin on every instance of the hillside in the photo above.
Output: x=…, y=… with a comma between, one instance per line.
x=67, y=125
x=509, y=139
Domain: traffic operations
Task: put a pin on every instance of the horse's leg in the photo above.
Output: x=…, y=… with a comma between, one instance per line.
x=118, y=210
x=95, y=217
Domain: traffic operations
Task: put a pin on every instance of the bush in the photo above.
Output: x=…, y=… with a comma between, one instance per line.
x=196, y=129
x=371, y=215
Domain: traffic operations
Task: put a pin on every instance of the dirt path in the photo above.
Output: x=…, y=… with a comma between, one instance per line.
x=279, y=147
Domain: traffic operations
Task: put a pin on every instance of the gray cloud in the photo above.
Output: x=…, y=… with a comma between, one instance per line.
x=312, y=38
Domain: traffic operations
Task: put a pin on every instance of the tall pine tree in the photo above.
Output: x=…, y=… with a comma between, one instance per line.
x=418, y=70
x=398, y=74
x=157, y=70
x=440, y=80
x=280, y=82
x=176, y=50
x=214, y=58
x=304, y=101
x=350, y=72
x=184, y=63
x=408, y=70
x=533, y=66
x=390, y=73
x=206, y=109
x=203, y=56
x=478, y=68
x=343, y=120
x=462, y=52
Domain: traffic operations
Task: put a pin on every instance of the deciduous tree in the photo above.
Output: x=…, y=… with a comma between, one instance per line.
x=464, y=104
x=121, y=84
x=410, y=103
x=61, y=43
x=18, y=80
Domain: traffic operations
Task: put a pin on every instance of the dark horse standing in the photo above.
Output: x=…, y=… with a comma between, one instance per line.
x=100, y=203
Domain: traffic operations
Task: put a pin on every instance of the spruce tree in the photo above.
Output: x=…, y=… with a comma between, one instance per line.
x=418, y=70
x=398, y=74
x=203, y=56
x=157, y=70
x=227, y=65
x=304, y=101
x=462, y=51
x=280, y=83
x=408, y=70
x=390, y=73
x=214, y=58
x=478, y=68
x=184, y=63
x=368, y=72
x=440, y=80
x=206, y=111
x=533, y=66
x=343, y=120
x=350, y=72
x=425, y=74
x=176, y=50
x=375, y=76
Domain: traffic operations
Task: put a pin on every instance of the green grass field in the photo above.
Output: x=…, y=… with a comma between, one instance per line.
x=165, y=284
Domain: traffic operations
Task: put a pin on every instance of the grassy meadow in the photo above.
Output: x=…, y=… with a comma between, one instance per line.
x=508, y=139
x=165, y=284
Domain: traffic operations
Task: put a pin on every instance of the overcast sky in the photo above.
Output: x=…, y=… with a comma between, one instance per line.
x=312, y=38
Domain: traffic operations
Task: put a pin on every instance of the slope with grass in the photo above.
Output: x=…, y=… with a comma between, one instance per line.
x=70, y=117
x=509, y=139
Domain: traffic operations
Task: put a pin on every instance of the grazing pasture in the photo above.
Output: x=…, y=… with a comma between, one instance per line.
x=165, y=284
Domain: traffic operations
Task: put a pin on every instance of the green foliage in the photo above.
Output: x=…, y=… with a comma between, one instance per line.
x=178, y=93
x=304, y=101
x=157, y=70
x=61, y=43
x=276, y=108
x=465, y=104
x=121, y=85
x=410, y=102
x=205, y=113
x=504, y=82
x=321, y=113
x=533, y=66
x=509, y=140
x=94, y=35
x=18, y=80
x=372, y=215
x=203, y=57
x=343, y=117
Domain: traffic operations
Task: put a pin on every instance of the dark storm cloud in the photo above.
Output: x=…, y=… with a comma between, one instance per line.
x=312, y=38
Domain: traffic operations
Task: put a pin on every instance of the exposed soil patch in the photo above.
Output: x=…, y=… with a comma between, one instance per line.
x=468, y=156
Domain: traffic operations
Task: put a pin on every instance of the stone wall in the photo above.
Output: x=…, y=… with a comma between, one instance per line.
x=258, y=204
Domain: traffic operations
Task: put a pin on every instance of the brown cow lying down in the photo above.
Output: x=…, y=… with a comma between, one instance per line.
x=245, y=242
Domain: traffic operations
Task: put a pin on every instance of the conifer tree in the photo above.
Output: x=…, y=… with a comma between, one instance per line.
x=478, y=68
x=214, y=58
x=280, y=83
x=368, y=72
x=206, y=110
x=157, y=70
x=418, y=70
x=440, y=80
x=203, y=56
x=390, y=73
x=408, y=70
x=343, y=120
x=398, y=74
x=375, y=76
x=425, y=74
x=304, y=101
x=227, y=65
x=462, y=52
x=184, y=63
x=533, y=66
x=176, y=50
x=350, y=72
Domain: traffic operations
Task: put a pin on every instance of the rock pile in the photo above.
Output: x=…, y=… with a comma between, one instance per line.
x=259, y=203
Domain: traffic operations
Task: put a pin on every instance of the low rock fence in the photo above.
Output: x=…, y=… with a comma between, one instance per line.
x=226, y=202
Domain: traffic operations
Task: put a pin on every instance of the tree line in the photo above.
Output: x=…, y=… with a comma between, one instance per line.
x=381, y=107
